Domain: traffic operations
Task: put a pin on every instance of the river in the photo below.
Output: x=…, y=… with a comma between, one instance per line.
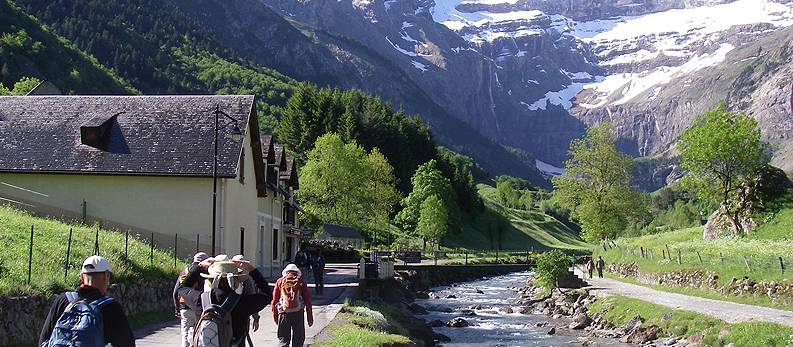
x=489, y=327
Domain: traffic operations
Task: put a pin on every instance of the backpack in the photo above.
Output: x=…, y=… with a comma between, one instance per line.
x=214, y=328
x=291, y=299
x=80, y=324
x=319, y=263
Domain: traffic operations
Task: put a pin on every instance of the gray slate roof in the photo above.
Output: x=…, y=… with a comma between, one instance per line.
x=151, y=135
x=336, y=230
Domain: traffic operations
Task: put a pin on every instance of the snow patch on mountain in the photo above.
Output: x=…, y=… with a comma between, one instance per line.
x=548, y=168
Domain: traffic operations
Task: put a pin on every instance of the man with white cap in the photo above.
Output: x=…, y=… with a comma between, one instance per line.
x=291, y=298
x=94, y=281
x=187, y=316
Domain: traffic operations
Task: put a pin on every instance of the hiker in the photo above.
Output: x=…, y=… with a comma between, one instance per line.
x=303, y=262
x=187, y=317
x=318, y=267
x=249, y=288
x=290, y=298
x=223, y=286
x=88, y=305
x=590, y=266
x=600, y=265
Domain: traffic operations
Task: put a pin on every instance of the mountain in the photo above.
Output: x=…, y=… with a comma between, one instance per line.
x=244, y=47
x=27, y=49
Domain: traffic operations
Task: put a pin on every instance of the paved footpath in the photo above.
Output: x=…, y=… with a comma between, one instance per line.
x=341, y=282
x=727, y=311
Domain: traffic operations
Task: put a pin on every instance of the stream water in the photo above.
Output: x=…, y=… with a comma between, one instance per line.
x=490, y=327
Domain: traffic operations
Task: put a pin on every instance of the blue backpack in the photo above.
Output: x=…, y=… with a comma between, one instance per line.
x=81, y=324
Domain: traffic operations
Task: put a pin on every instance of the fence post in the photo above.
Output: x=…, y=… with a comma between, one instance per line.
x=151, y=250
x=721, y=256
x=96, y=242
x=746, y=261
x=197, y=242
x=700, y=257
x=527, y=256
x=679, y=257
x=126, y=244
x=68, y=253
x=30, y=254
x=782, y=265
x=668, y=252
x=175, y=243
x=466, y=257
x=642, y=250
x=436, y=257
x=496, y=255
x=663, y=254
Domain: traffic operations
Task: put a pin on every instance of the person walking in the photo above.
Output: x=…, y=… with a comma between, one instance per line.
x=303, y=262
x=291, y=298
x=318, y=267
x=214, y=270
x=187, y=317
x=600, y=265
x=66, y=320
x=590, y=266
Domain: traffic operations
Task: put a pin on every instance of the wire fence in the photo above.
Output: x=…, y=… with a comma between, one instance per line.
x=664, y=257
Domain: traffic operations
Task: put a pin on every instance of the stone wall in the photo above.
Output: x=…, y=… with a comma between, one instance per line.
x=21, y=318
x=780, y=292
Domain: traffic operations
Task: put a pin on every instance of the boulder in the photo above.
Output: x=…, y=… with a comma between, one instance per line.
x=669, y=341
x=524, y=310
x=641, y=335
x=478, y=291
x=468, y=313
x=475, y=307
x=540, y=324
x=436, y=323
x=451, y=296
x=696, y=338
x=551, y=331
x=580, y=321
x=432, y=295
x=505, y=309
x=667, y=316
x=422, y=295
x=457, y=323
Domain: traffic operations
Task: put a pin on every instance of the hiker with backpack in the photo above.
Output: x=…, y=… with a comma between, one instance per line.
x=87, y=316
x=303, y=262
x=224, y=305
x=187, y=317
x=318, y=267
x=291, y=298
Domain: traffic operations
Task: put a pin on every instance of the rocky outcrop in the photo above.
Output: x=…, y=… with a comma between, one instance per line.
x=21, y=318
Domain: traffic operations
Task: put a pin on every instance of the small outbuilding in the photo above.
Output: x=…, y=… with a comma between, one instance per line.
x=342, y=234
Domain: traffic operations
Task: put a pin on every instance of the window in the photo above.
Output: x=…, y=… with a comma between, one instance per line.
x=275, y=244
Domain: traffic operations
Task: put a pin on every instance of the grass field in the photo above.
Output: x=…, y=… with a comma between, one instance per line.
x=50, y=242
x=679, y=323
x=757, y=255
x=367, y=324
x=524, y=229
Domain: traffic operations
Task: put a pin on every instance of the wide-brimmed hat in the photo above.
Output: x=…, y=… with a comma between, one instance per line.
x=292, y=267
x=224, y=269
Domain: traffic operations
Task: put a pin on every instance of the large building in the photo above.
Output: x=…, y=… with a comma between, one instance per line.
x=145, y=164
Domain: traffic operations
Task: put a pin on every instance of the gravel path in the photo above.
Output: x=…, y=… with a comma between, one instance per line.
x=341, y=282
x=727, y=311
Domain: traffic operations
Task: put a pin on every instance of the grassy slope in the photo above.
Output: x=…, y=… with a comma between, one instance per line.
x=620, y=310
x=367, y=324
x=526, y=229
x=49, y=254
x=57, y=61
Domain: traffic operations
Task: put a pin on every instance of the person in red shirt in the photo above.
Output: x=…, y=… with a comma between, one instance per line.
x=291, y=298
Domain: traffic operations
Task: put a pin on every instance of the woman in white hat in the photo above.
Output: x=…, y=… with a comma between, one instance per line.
x=291, y=298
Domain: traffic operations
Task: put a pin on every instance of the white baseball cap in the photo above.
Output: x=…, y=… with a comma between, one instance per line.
x=95, y=263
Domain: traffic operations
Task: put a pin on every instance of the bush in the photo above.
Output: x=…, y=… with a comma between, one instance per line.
x=552, y=266
x=333, y=251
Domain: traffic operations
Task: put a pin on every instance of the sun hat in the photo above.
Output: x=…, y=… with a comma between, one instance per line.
x=94, y=264
x=199, y=257
x=224, y=269
x=292, y=267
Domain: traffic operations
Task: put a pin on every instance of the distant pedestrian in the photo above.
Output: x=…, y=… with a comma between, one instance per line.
x=303, y=262
x=187, y=317
x=590, y=266
x=74, y=317
x=318, y=267
x=600, y=265
x=291, y=298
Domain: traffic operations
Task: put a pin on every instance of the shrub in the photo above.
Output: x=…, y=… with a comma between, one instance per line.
x=552, y=266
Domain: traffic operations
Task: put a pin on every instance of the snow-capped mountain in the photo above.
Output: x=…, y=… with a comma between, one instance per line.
x=532, y=74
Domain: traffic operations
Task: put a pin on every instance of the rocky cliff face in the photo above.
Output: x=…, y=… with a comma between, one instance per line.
x=532, y=74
